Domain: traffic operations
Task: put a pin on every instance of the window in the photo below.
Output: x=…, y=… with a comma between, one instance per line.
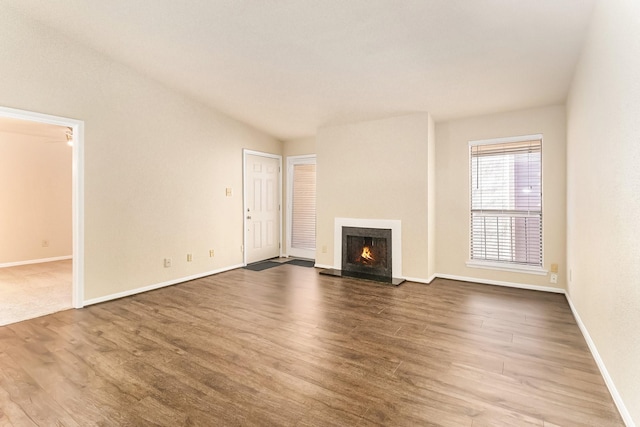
x=506, y=202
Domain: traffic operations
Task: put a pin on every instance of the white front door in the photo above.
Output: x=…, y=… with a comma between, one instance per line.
x=262, y=207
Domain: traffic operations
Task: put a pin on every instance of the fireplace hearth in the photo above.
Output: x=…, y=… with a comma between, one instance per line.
x=366, y=254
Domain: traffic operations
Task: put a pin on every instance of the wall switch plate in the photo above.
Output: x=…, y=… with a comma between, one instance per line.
x=553, y=278
x=229, y=191
x=324, y=249
x=167, y=262
x=554, y=268
x=189, y=257
x=211, y=253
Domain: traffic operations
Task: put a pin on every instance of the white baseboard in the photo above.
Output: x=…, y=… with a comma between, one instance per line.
x=157, y=285
x=624, y=413
x=36, y=261
x=324, y=266
x=501, y=283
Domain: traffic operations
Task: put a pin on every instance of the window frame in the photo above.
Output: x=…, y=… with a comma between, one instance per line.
x=506, y=265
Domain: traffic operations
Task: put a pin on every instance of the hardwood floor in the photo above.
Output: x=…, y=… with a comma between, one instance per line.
x=286, y=346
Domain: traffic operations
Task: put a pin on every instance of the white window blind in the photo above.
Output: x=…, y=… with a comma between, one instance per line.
x=506, y=202
x=303, y=218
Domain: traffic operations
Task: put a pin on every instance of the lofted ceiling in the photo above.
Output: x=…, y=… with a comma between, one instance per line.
x=289, y=66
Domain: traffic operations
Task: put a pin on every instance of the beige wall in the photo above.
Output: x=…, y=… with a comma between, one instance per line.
x=299, y=147
x=294, y=147
x=156, y=163
x=452, y=189
x=603, y=181
x=376, y=170
x=35, y=198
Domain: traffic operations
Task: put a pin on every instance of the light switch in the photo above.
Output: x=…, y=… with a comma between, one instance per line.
x=229, y=191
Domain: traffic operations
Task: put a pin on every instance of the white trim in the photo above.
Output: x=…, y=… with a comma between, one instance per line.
x=307, y=159
x=396, y=239
x=504, y=266
x=77, y=189
x=501, y=283
x=36, y=261
x=624, y=413
x=158, y=285
x=246, y=152
x=325, y=266
x=507, y=139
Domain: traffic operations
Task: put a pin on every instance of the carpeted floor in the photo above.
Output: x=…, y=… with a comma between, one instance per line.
x=33, y=290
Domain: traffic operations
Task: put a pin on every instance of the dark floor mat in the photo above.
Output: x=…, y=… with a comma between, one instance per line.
x=259, y=266
x=301, y=262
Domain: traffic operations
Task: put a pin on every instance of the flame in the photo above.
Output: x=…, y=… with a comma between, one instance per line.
x=366, y=254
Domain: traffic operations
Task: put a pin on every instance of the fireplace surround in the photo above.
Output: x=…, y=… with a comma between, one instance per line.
x=368, y=249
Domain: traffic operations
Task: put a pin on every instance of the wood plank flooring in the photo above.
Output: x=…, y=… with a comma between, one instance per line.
x=287, y=347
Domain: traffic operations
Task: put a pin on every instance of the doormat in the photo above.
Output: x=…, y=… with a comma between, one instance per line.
x=263, y=265
x=301, y=262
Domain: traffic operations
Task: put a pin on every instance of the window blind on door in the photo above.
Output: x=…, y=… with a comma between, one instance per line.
x=303, y=217
x=506, y=202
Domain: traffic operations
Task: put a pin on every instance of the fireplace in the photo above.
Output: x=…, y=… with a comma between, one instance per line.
x=367, y=252
x=368, y=249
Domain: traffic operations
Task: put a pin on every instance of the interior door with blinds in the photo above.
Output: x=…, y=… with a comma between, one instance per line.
x=301, y=203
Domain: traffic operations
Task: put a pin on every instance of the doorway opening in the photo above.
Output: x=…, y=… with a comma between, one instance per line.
x=301, y=206
x=71, y=132
x=262, y=216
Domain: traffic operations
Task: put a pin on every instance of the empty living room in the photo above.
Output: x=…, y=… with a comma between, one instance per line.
x=335, y=213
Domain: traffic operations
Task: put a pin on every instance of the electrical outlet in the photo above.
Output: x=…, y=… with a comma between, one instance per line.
x=211, y=253
x=45, y=243
x=189, y=257
x=553, y=278
x=167, y=262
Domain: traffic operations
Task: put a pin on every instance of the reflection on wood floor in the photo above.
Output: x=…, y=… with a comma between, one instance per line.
x=286, y=346
x=32, y=290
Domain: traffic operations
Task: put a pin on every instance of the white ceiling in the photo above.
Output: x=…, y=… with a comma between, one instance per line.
x=290, y=66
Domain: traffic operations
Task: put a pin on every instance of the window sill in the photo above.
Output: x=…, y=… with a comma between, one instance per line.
x=514, y=268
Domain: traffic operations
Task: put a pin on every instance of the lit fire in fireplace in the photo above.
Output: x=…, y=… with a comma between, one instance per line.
x=366, y=254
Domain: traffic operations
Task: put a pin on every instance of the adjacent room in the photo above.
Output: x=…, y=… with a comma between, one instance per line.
x=36, y=254
x=466, y=171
